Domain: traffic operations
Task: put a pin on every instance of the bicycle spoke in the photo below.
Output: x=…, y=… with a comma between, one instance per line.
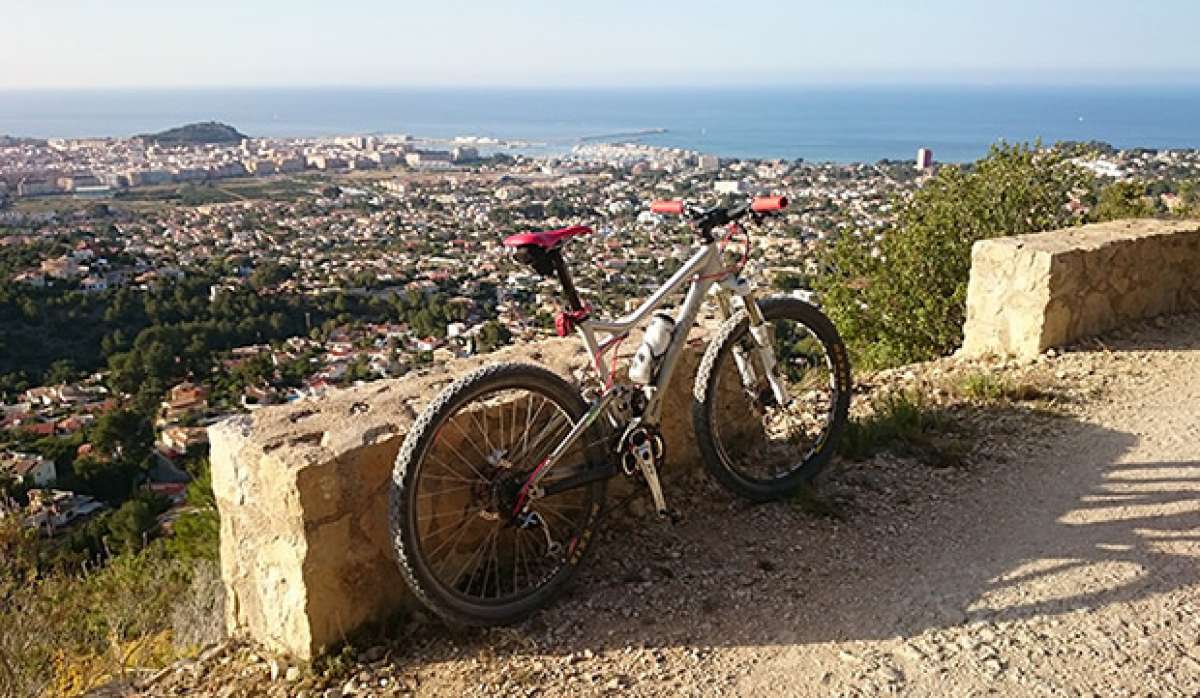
x=466, y=436
x=467, y=485
x=465, y=461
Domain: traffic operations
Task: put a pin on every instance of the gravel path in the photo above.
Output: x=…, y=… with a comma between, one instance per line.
x=1061, y=561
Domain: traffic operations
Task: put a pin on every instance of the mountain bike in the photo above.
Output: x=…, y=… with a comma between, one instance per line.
x=501, y=482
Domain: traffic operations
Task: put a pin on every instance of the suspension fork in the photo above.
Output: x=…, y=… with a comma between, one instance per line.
x=764, y=336
x=760, y=331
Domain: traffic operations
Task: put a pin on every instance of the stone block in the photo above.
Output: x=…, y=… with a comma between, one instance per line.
x=1032, y=292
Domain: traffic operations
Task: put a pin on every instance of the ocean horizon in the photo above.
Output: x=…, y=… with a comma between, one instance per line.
x=835, y=124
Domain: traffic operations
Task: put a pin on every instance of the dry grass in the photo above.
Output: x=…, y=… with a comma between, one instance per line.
x=67, y=632
x=906, y=423
x=982, y=386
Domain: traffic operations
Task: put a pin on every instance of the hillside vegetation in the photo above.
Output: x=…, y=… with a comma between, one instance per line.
x=902, y=298
x=198, y=133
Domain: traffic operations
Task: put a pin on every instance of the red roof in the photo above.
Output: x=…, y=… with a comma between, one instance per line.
x=41, y=428
x=167, y=488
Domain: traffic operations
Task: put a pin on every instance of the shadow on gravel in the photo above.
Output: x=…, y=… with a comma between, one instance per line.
x=1069, y=528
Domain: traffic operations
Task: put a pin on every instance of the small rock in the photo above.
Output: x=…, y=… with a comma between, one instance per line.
x=375, y=653
x=911, y=652
x=210, y=653
x=292, y=675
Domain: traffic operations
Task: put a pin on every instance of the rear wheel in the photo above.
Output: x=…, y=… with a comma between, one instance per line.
x=754, y=444
x=462, y=547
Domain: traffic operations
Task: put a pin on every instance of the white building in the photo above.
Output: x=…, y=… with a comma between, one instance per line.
x=428, y=159
x=709, y=163
x=730, y=186
x=924, y=159
x=464, y=153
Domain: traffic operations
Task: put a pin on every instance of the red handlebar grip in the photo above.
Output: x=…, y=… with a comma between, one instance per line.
x=766, y=204
x=667, y=207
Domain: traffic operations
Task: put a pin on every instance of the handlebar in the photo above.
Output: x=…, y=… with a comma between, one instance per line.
x=707, y=219
x=667, y=207
x=768, y=204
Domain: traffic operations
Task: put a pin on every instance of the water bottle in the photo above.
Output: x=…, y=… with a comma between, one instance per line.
x=654, y=345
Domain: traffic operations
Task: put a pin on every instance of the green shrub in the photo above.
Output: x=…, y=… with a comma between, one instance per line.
x=198, y=530
x=1126, y=199
x=903, y=298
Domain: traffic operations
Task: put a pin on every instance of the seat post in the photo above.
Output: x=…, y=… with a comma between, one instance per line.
x=564, y=277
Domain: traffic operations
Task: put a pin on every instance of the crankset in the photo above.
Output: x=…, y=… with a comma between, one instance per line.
x=642, y=452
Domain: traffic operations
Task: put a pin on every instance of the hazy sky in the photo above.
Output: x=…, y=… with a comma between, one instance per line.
x=154, y=43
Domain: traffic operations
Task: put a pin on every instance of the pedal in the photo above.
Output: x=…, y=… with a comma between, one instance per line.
x=672, y=515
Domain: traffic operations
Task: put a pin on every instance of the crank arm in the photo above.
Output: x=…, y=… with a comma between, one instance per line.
x=651, y=474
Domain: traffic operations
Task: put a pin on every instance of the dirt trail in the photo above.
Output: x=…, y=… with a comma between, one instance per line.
x=1063, y=561
x=1070, y=569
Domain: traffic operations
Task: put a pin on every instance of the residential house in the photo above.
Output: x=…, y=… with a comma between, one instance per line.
x=29, y=468
x=180, y=439
x=53, y=510
x=184, y=400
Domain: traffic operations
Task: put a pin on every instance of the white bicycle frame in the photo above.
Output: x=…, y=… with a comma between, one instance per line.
x=703, y=270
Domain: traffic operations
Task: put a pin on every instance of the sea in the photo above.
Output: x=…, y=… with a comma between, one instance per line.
x=822, y=124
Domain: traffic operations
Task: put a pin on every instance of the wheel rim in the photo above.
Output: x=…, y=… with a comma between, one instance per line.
x=468, y=537
x=761, y=441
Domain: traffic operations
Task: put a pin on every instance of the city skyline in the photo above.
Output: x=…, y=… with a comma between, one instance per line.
x=139, y=44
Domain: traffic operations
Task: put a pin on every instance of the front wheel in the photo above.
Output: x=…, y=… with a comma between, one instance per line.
x=756, y=444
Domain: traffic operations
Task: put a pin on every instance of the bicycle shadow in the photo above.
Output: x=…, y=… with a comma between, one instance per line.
x=931, y=553
x=1076, y=523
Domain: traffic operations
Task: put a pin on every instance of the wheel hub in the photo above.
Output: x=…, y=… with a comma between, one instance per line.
x=498, y=496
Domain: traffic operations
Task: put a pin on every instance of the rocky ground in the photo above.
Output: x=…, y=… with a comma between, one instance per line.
x=1043, y=546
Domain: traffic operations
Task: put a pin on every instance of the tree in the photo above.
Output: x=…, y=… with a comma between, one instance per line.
x=903, y=299
x=131, y=526
x=493, y=335
x=61, y=371
x=103, y=478
x=1123, y=200
x=123, y=433
x=269, y=274
x=197, y=532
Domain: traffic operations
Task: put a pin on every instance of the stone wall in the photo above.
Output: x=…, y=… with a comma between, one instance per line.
x=302, y=492
x=1032, y=292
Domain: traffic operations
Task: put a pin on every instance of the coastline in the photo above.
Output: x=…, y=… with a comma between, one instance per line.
x=845, y=125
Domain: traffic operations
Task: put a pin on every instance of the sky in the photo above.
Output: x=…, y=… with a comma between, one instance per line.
x=600, y=43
